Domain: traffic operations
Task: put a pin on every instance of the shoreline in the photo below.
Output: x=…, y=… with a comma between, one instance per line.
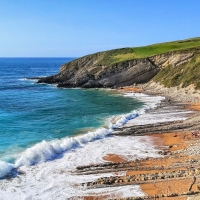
x=169, y=139
x=178, y=168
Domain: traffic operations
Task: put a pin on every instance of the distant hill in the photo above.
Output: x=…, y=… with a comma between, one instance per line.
x=171, y=64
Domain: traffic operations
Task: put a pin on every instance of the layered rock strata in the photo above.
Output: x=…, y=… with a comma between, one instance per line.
x=89, y=72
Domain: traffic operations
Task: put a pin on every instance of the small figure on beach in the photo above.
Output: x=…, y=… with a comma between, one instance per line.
x=175, y=135
x=195, y=134
x=192, y=169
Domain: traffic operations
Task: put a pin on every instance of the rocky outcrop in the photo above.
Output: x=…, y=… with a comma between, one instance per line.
x=185, y=94
x=174, y=59
x=90, y=72
x=140, y=178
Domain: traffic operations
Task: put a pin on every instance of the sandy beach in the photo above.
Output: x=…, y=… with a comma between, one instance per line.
x=176, y=175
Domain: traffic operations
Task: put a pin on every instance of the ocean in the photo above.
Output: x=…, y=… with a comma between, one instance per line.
x=45, y=129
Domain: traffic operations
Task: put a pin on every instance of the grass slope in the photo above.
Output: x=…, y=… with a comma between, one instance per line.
x=119, y=55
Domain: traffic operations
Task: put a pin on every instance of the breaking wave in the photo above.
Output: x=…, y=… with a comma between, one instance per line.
x=49, y=150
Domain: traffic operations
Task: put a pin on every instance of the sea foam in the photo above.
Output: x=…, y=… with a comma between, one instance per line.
x=45, y=151
x=5, y=168
x=56, y=179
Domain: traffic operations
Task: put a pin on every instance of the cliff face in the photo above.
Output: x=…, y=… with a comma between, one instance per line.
x=89, y=72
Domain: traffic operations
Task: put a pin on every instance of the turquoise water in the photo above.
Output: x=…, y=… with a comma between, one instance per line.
x=31, y=113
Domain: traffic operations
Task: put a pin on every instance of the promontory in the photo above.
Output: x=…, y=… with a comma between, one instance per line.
x=174, y=63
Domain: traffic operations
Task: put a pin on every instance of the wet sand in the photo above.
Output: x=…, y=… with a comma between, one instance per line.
x=113, y=158
x=167, y=187
x=194, y=106
x=129, y=89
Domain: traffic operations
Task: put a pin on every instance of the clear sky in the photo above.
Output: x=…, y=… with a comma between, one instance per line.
x=73, y=28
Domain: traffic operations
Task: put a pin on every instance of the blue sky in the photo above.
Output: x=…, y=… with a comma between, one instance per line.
x=73, y=28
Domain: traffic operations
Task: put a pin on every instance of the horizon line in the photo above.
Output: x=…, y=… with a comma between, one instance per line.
x=39, y=57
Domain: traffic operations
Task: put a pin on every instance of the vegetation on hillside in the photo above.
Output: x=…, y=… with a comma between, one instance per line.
x=147, y=51
x=184, y=75
x=108, y=58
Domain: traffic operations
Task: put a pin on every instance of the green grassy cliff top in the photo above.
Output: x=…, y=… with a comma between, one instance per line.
x=120, y=55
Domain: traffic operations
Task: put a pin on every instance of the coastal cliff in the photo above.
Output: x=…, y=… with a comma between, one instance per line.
x=126, y=66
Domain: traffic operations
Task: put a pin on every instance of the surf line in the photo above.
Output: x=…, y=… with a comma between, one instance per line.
x=45, y=151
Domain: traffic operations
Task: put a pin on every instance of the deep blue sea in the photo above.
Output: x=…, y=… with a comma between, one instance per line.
x=31, y=113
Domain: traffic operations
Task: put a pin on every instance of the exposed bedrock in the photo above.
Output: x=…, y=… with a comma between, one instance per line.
x=89, y=72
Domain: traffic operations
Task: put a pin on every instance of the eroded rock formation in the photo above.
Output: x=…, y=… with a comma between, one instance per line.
x=89, y=71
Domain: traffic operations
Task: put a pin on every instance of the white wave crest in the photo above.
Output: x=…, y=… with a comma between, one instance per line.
x=44, y=150
x=5, y=168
